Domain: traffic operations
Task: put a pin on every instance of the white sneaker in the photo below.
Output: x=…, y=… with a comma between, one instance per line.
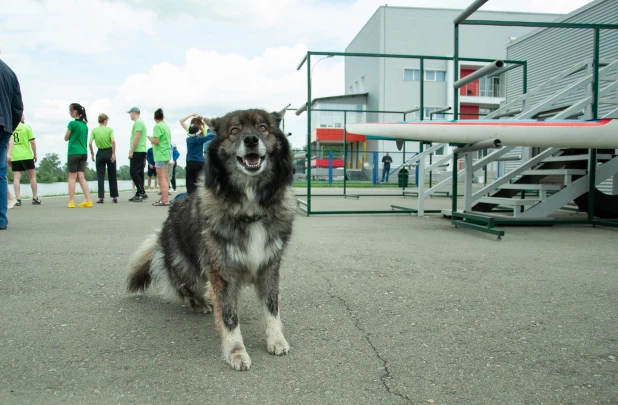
x=11, y=203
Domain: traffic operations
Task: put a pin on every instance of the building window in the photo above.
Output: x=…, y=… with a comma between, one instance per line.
x=411, y=75
x=490, y=86
x=430, y=75
x=435, y=76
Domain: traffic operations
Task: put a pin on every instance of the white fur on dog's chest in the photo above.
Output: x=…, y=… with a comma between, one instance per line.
x=257, y=251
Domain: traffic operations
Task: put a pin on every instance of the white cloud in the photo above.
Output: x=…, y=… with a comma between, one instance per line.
x=72, y=25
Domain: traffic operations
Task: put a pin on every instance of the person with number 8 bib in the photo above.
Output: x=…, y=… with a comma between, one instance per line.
x=22, y=157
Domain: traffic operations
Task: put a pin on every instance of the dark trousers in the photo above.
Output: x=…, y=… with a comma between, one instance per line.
x=386, y=172
x=104, y=159
x=136, y=167
x=173, y=180
x=193, y=171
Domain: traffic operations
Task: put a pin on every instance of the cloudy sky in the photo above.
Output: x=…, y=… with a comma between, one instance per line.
x=204, y=56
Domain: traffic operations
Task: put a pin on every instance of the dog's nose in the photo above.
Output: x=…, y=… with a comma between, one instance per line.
x=251, y=141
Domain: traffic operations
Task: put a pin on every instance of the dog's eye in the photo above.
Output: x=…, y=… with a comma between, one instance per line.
x=234, y=131
x=262, y=128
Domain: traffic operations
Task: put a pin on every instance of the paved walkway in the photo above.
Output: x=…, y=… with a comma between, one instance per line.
x=378, y=310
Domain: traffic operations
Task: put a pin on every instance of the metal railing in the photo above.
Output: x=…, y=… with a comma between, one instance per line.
x=306, y=205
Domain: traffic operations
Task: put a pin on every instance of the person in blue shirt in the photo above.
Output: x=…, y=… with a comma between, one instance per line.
x=195, y=158
x=152, y=172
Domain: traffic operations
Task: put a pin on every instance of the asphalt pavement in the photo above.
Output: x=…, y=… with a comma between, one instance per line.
x=390, y=309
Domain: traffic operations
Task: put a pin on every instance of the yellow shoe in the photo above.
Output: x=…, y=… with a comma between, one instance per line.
x=85, y=204
x=71, y=204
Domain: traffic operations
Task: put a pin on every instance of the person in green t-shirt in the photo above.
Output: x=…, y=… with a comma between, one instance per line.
x=77, y=136
x=22, y=156
x=160, y=139
x=137, y=154
x=103, y=138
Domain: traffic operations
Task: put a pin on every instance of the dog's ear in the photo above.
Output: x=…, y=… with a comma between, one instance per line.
x=278, y=115
x=212, y=123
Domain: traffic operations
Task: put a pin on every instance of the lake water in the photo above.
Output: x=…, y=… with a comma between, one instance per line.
x=63, y=188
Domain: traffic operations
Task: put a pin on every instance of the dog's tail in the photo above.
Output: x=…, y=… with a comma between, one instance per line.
x=141, y=277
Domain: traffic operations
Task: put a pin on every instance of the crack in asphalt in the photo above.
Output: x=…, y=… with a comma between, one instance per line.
x=384, y=377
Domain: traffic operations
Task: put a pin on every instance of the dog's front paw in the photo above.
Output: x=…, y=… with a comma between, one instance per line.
x=239, y=359
x=278, y=346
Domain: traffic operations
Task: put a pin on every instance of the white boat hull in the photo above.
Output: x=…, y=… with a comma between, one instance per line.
x=600, y=134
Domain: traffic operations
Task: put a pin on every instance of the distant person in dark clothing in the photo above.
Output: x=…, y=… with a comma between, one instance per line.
x=152, y=172
x=11, y=110
x=175, y=156
x=387, y=160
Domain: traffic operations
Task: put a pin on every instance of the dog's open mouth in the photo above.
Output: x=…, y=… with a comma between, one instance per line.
x=251, y=161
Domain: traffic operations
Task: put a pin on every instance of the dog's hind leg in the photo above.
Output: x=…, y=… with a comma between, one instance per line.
x=268, y=291
x=196, y=299
x=224, y=299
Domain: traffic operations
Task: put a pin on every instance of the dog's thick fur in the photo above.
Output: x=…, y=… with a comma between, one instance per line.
x=232, y=231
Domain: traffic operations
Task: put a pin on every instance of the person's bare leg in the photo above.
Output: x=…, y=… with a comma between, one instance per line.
x=163, y=184
x=72, y=178
x=33, y=184
x=84, y=185
x=16, y=179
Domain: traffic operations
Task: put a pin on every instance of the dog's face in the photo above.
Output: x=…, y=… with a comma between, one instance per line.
x=249, y=146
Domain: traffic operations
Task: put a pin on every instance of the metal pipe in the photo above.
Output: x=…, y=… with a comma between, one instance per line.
x=469, y=11
x=422, y=90
x=345, y=150
x=506, y=69
x=537, y=24
x=415, y=109
x=440, y=111
x=456, y=72
x=308, y=106
x=482, y=72
x=472, y=147
x=302, y=62
x=508, y=158
x=301, y=109
x=403, y=56
x=508, y=113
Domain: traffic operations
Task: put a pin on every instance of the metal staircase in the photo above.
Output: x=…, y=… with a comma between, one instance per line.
x=556, y=176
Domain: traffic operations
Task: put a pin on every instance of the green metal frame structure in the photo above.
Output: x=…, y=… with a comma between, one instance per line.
x=345, y=157
x=485, y=223
x=305, y=206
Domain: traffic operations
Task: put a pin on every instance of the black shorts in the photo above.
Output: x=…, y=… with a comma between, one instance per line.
x=152, y=172
x=22, y=165
x=77, y=163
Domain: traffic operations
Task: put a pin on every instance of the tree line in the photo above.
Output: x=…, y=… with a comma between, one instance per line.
x=50, y=170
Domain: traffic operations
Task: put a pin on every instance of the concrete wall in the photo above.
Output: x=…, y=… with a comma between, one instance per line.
x=368, y=40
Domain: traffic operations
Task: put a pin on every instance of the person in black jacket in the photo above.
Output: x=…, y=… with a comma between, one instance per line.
x=11, y=110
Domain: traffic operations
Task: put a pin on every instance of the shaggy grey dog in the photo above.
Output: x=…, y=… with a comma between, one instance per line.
x=231, y=232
